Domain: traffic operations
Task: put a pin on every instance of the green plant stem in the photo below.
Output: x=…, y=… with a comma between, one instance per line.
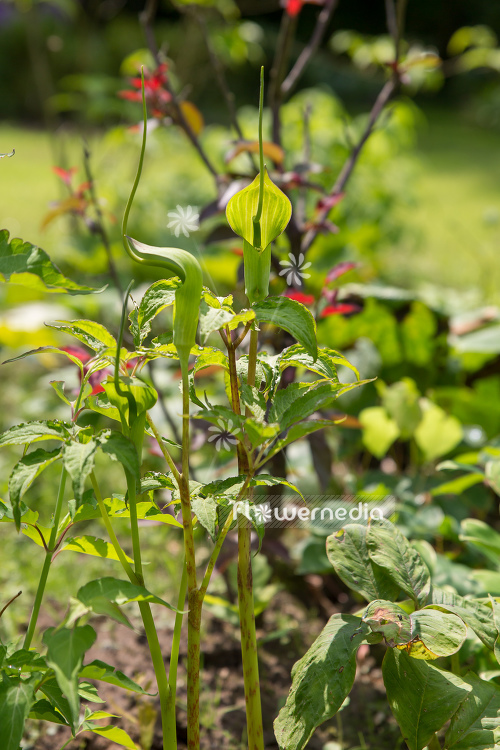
x=171, y=725
x=194, y=601
x=47, y=562
x=111, y=532
x=134, y=526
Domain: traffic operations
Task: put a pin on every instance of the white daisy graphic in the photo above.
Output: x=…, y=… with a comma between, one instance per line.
x=184, y=220
x=221, y=437
x=294, y=269
x=263, y=513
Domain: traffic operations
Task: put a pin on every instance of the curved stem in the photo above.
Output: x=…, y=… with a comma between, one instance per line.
x=47, y=562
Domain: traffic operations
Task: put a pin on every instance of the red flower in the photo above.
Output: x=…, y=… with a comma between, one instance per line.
x=339, y=308
x=157, y=96
x=66, y=175
x=293, y=7
x=95, y=378
x=304, y=299
x=339, y=270
x=329, y=201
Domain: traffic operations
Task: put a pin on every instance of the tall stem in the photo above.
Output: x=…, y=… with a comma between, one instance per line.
x=111, y=532
x=47, y=562
x=194, y=601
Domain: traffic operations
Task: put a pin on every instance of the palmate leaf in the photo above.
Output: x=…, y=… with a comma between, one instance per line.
x=422, y=696
x=27, y=265
x=293, y=317
x=321, y=681
x=348, y=553
x=389, y=549
x=476, y=724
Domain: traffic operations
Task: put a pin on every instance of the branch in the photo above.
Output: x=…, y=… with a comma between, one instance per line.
x=285, y=38
x=310, y=49
x=10, y=602
x=346, y=171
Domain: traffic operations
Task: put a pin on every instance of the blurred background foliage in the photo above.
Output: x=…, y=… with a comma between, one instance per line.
x=420, y=224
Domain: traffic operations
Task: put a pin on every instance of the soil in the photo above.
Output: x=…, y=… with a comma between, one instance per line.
x=285, y=630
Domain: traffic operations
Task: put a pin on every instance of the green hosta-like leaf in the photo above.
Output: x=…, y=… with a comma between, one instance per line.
x=120, y=448
x=33, y=432
x=91, y=545
x=476, y=615
x=205, y=509
x=119, y=592
x=476, y=724
x=78, y=460
x=438, y=433
x=23, y=475
x=391, y=550
x=93, y=334
x=276, y=212
x=27, y=265
x=65, y=651
x=379, y=430
x=422, y=697
x=16, y=697
x=99, y=670
x=160, y=295
x=292, y=317
x=321, y=681
x=348, y=553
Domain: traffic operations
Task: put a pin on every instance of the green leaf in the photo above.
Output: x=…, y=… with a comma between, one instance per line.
x=53, y=692
x=325, y=365
x=93, y=334
x=99, y=670
x=205, y=509
x=291, y=316
x=115, y=734
x=78, y=460
x=476, y=724
x=476, y=615
x=144, y=395
x=388, y=548
x=259, y=433
x=299, y=400
x=58, y=386
x=379, y=430
x=482, y=536
x=119, y=592
x=97, y=606
x=16, y=697
x=24, y=474
x=33, y=432
x=297, y=431
x=276, y=212
x=44, y=711
x=120, y=448
x=321, y=681
x=422, y=697
x=44, y=350
x=160, y=295
x=27, y=265
x=65, y=651
x=91, y=545
x=348, y=553
x=458, y=485
x=435, y=634
x=438, y=433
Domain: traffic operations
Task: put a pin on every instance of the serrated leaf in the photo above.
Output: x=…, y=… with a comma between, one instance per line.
x=120, y=448
x=389, y=549
x=24, y=474
x=477, y=616
x=321, y=681
x=99, y=670
x=119, y=592
x=348, y=553
x=91, y=545
x=205, y=509
x=16, y=697
x=27, y=265
x=299, y=400
x=259, y=433
x=78, y=460
x=276, y=212
x=93, y=334
x=32, y=432
x=46, y=350
x=324, y=365
x=422, y=697
x=291, y=316
x=65, y=651
x=476, y=724
x=160, y=295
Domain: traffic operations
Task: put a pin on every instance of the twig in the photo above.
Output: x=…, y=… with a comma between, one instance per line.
x=310, y=49
x=99, y=224
x=277, y=74
x=10, y=602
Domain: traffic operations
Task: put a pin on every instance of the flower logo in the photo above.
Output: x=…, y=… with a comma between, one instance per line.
x=294, y=269
x=221, y=437
x=184, y=220
x=263, y=513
